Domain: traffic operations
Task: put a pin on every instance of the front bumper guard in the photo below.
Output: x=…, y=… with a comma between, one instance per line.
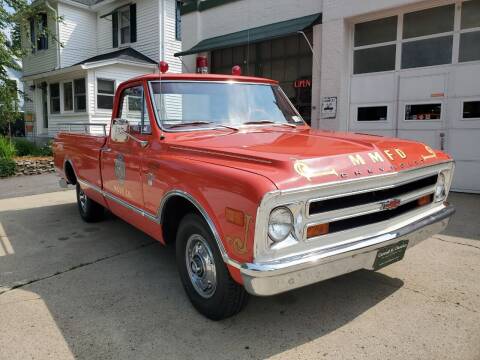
x=273, y=277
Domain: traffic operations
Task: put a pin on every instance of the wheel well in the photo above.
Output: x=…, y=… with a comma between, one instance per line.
x=70, y=174
x=172, y=213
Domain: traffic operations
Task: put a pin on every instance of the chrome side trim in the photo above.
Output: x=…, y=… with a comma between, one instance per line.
x=159, y=217
x=119, y=201
x=207, y=218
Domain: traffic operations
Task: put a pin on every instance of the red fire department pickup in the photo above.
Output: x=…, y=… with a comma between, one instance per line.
x=254, y=200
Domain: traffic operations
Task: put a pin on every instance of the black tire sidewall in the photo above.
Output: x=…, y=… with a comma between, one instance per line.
x=194, y=224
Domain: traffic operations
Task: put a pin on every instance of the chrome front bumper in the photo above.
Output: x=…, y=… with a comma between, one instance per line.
x=289, y=273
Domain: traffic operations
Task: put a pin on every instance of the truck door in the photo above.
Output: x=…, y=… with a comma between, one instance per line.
x=122, y=161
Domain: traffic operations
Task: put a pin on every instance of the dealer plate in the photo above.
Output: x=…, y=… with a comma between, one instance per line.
x=390, y=254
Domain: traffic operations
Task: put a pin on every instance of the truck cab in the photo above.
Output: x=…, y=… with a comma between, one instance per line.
x=254, y=200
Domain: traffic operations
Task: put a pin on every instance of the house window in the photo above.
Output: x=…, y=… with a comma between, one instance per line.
x=470, y=31
x=423, y=112
x=80, y=98
x=105, y=93
x=54, y=98
x=372, y=113
x=374, y=45
x=68, y=96
x=38, y=32
x=471, y=109
x=124, y=25
x=133, y=108
x=178, y=20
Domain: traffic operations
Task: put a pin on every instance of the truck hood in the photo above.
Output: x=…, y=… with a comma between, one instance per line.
x=300, y=157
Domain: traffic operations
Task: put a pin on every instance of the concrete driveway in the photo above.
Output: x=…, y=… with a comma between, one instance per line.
x=107, y=291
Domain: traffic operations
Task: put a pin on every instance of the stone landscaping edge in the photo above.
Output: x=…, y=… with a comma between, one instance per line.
x=34, y=165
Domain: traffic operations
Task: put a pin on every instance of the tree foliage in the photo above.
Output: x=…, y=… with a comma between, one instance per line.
x=15, y=17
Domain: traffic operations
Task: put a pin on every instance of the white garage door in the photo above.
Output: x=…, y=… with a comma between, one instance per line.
x=416, y=75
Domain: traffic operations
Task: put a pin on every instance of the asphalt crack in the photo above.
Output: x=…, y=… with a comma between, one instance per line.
x=457, y=243
x=75, y=267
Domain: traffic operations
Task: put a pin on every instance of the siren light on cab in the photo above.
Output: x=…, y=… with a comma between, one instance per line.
x=236, y=70
x=163, y=66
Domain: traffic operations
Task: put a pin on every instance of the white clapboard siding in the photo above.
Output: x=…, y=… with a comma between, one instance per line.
x=172, y=46
x=148, y=28
x=42, y=60
x=77, y=34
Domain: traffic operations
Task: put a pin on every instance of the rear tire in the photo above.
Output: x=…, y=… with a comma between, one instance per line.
x=90, y=211
x=203, y=272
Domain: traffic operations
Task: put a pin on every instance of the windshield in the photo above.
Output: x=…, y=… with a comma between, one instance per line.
x=207, y=104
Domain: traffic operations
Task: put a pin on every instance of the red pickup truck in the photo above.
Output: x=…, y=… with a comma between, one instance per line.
x=254, y=200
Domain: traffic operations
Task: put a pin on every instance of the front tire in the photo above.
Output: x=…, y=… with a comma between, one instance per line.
x=90, y=211
x=203, y=272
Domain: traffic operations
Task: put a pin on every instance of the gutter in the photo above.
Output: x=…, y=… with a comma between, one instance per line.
x=59, y=64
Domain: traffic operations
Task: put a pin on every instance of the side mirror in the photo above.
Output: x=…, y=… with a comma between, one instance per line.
x=119, y=130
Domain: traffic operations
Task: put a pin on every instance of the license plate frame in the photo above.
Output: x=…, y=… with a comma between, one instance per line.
x=390, y=254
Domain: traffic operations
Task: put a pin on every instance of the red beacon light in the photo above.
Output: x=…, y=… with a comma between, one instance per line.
x=236, y=70
x=163, y=66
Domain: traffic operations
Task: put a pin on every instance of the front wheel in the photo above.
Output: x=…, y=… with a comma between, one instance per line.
x=203, y=272
x=90, y=211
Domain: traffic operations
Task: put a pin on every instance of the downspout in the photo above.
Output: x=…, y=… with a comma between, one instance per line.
x=59, y=65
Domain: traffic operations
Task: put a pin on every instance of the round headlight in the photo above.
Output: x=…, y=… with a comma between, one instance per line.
x=280, y=224
x=440, y=190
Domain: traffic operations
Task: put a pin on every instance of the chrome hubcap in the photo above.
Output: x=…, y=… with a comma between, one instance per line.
x=83, y=200
x=201, y=266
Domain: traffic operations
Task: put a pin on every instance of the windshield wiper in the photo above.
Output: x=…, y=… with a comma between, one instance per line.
x=261, y=122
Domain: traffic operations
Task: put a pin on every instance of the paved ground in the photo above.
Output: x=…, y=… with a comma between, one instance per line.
x=106, y=291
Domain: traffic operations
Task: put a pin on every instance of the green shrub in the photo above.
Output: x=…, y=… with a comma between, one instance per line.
x=46, y=150
x=7, y=149
x=25, y=147
x=7, y=167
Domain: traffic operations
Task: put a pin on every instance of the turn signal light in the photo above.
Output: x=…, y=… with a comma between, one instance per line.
x=424, y=200
x=317, y=230
x=235, y=216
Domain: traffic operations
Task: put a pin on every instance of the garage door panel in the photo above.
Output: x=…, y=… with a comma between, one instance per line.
x=464, y=144
x=373, y=88
x=467, y=176
x=356, y=124
x=422, y=86
x=431, y=138
x=465, y=82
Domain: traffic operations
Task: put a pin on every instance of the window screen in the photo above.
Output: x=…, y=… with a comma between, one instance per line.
x=80, y=98
x=436, y=51
x=470, y=14
x=67, y=96
x=376, y=31
x=469, y=46
x=54, y=98
x=105, y=93
x=423, y=112
x=372, y=113
x=369, y=60
x=428, y=22
x=471, y=109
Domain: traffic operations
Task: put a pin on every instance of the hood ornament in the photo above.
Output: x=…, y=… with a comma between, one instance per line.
x=306, y=171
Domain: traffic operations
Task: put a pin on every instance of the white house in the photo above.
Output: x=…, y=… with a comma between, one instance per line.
x=101, y=44
x=403, y=68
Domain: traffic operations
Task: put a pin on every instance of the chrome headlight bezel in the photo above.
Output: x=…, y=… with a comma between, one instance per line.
x=280, y=224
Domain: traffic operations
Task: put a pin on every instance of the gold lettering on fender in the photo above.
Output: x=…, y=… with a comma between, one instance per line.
x=431, y=153
x=356, y=159
x=401, y=153
x=389, y=154
x=375, y=157
x=240, y=245
x=304, y=170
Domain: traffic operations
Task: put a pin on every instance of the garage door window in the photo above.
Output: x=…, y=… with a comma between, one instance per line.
x=372, y=113
x=437, y=25
x=374, y=45
x=423, y=112
x=470, y=31
x=471, y=109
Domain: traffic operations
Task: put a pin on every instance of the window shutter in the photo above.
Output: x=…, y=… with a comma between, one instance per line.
x=115, y=29
x=32, y=34
x=133, y=23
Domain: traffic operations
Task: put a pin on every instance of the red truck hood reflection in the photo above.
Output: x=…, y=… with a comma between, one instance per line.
x=300, y=157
